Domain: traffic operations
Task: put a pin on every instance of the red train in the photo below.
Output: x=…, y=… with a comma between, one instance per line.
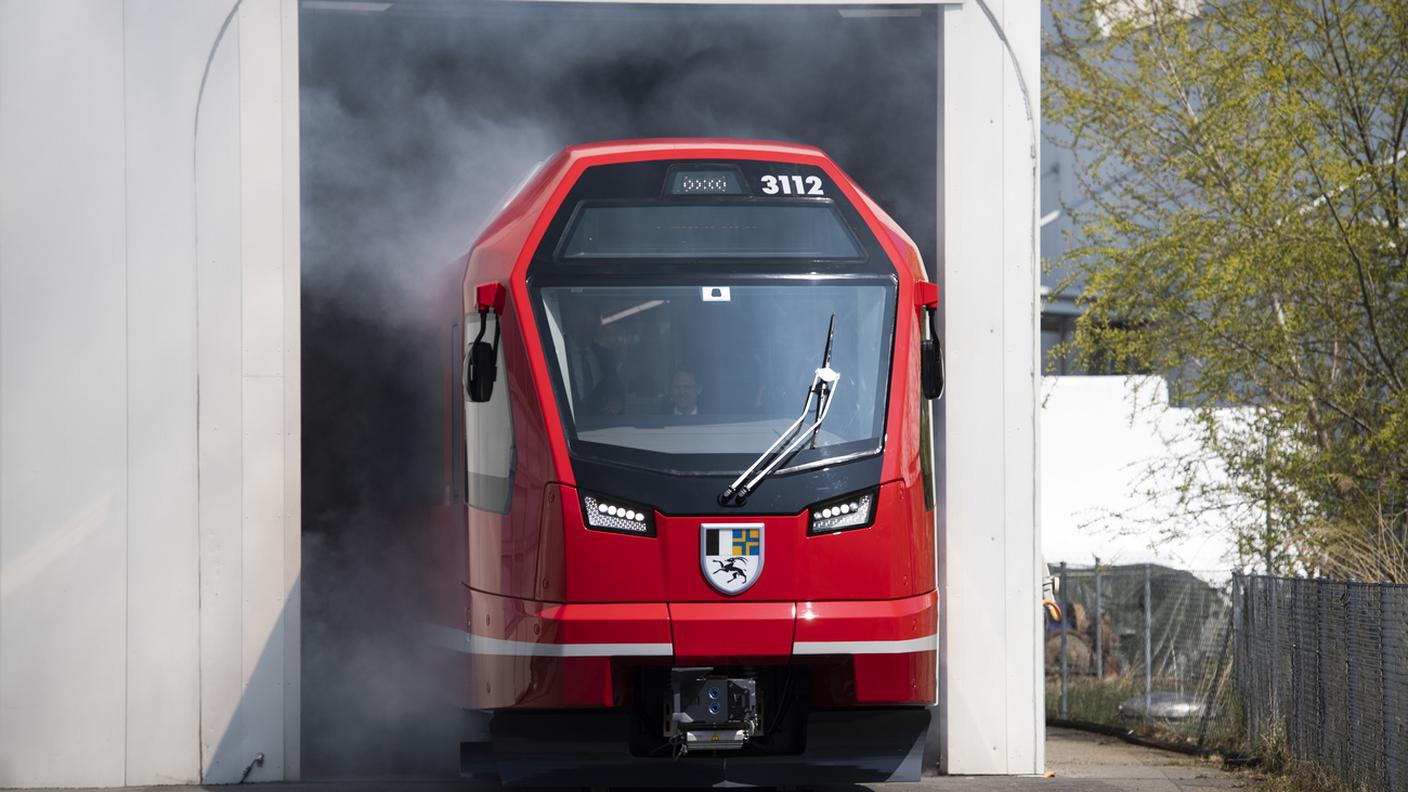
x=698, y=497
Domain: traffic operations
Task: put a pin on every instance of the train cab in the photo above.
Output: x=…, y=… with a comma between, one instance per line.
x=697, y=513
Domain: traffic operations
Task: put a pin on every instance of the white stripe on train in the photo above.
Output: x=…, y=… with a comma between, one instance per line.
x=928, y=643
x=461, y=641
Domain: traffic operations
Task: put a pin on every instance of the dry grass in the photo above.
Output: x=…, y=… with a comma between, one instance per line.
x=1279, y=772
x=1297, y=778
x=1373, y=550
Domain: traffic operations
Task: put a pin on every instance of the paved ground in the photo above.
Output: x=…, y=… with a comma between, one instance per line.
x=1097, y=763
x=1079, y=760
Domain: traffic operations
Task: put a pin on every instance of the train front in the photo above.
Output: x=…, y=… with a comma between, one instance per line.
x=698, y=490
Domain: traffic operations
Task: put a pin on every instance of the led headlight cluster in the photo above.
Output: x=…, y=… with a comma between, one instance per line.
x=853, y=511
x=610, y=514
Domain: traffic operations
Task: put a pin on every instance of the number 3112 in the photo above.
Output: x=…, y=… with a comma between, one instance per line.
x=792, y=185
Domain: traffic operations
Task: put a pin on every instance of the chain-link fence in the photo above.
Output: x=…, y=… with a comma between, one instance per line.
x=1143, y=647
x=1323, y=675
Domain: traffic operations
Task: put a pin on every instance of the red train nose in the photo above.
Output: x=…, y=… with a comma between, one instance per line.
x=691, y=415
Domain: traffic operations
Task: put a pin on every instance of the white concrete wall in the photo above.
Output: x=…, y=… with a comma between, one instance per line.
x=990, y=668
x=149, y=392
x=1107, y=444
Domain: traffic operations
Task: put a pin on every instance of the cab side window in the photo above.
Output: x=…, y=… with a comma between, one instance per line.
x=489, y=452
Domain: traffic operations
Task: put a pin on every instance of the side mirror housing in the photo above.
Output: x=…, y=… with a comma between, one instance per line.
x=481, y=360
x=931, y=349
x=931, y=368
x=480, y=370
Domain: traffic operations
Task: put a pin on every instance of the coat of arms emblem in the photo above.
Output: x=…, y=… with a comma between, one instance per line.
x=731, y=555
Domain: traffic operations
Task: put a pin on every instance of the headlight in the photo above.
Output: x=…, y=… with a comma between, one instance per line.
x=613, y=514
x=856, y=510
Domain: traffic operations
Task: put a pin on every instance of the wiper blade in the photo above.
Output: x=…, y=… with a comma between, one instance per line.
x=821, y=392
x=825, y=364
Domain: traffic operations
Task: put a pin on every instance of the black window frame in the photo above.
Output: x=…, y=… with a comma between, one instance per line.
x=581, y=207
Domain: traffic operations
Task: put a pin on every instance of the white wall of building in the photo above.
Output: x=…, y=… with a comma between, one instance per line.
x=1107, y=491
x=149, y=391
x=990, y=537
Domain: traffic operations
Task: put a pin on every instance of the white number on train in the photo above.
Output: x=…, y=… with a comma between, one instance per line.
x=792, y=185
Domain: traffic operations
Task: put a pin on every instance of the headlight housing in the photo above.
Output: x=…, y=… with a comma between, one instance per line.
x=856, y=510
x=604, y=513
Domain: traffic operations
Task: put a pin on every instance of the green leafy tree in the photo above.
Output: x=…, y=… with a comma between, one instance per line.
x=1243, y=228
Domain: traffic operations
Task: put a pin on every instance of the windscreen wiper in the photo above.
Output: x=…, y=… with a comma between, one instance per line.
x=821, y=392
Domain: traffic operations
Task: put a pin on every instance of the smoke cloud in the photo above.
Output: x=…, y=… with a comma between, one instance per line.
x=415, y=123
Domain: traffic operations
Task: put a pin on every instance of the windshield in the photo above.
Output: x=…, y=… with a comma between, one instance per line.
x=704, y=377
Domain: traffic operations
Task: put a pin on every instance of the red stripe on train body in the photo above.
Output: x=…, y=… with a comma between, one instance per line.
x=697, y=507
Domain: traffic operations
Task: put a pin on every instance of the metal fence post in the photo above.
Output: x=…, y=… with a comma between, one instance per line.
x=1389, y=710
x=1099, y=625
x=1257, y=635
x=1065, y=615
x=1148, y=646
x=1239, y=637
x=1270, y=595
x=1352, y=660
x=1299, y=645
x=1322, y=668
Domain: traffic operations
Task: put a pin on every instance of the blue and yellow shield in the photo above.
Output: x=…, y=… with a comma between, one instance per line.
x=731, y=555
